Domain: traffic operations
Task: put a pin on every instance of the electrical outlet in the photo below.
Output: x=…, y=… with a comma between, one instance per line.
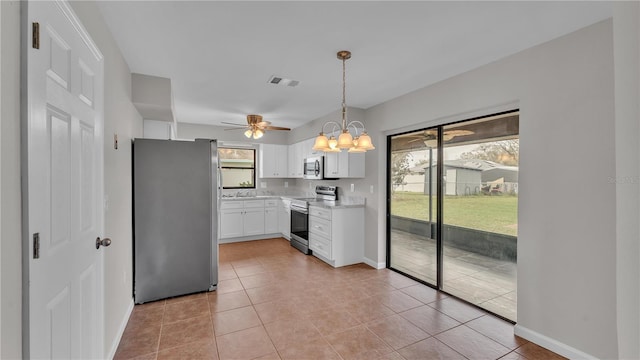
x=286, y=184
x=263, y=185
x=353, y=187
x=371, y=189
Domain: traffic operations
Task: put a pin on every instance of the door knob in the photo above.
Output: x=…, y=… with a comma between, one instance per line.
x=103, y=242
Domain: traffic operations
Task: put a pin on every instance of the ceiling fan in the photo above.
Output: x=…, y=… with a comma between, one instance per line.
x=429, y=137
x=255, y=126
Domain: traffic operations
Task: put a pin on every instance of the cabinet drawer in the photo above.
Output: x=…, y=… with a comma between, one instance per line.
x=271, y=203
x=320, y=246
x=231, y=205
x=253, y=203
x=320, y=226
x=320, y=212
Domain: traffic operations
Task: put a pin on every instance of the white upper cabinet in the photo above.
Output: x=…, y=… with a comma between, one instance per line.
x=308, y=150
x=273, y=161
x=296, y=156
x=344, y=165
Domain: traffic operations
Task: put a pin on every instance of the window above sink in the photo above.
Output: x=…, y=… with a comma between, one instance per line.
x=237, y=168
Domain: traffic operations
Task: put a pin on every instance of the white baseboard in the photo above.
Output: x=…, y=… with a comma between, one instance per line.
x=373, y=264
x=251, y=238
x=123, y=325
x=550, y=344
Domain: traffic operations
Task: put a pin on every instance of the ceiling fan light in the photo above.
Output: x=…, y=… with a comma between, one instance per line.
x=345, y=140
x=432, y=143
x=364, y=142
x=248, y=133
x=322, y=143
x=258, y=134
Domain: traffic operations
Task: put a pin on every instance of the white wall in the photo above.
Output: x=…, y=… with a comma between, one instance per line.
x=122, y=118
x=10, y=220
x=566, y=252
x=0, y=182
x=626, y=31
x=195, y=131
x=154, y=129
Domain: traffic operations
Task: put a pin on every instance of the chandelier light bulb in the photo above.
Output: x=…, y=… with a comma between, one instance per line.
x=345, y=140
x=322, y=143
x=364, y=142
x=333, y=143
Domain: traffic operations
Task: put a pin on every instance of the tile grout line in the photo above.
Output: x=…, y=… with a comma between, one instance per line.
x=164, y=310
x=213, y=330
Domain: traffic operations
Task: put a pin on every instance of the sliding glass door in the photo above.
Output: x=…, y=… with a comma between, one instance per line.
x=468, y=248
x=412, y=203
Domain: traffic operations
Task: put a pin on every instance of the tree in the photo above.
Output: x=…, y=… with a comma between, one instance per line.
x=399, y=168
x=505, y=152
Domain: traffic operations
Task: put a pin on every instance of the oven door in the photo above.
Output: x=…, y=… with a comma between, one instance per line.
x=300, y=223
x=300, y=229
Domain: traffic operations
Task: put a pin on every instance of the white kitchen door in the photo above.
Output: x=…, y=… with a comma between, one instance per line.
x=64, y=137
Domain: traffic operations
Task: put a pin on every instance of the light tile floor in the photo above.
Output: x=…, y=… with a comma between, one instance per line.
x=481, y=280
x=273, y=302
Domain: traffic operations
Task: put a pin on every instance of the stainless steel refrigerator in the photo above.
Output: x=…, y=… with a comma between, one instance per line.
x=175, y=187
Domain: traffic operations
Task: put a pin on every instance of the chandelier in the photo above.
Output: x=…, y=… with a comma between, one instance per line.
x=360, y=141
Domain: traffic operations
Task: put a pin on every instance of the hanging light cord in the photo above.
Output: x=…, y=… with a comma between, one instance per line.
x=344, y=103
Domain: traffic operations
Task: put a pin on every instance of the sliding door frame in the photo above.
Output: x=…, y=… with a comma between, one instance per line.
x=439, y=206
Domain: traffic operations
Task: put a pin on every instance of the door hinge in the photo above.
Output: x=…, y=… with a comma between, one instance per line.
x=35, y=35
x=36, y=245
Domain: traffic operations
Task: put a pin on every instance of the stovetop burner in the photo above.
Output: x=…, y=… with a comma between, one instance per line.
x=323, y=192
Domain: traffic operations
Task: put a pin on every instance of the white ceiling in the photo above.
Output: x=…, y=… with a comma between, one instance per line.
x=219, y=55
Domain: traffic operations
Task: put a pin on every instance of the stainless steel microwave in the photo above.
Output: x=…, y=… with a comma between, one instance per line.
x=313, y=168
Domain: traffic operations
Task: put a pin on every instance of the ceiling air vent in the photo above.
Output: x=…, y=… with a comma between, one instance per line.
x=275, y=80
x=279, y=80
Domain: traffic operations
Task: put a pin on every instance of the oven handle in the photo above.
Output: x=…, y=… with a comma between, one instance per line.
x=300, y=210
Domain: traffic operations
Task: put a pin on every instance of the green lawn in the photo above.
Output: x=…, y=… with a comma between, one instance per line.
x=498, y=213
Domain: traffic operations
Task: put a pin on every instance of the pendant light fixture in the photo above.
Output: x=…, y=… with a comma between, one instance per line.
x=360, y=141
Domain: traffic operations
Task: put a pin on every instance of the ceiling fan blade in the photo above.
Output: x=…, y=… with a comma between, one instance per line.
x=457, y=132
x=263, y=123
x=275, y=128
x=234, y=124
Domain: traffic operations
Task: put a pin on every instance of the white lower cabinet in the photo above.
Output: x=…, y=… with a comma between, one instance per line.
x=241, y=218
x=320, y=246
x=336, y=235
x=253, y=222
x=271, y=216
x=284, y=218
x=231, y=223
